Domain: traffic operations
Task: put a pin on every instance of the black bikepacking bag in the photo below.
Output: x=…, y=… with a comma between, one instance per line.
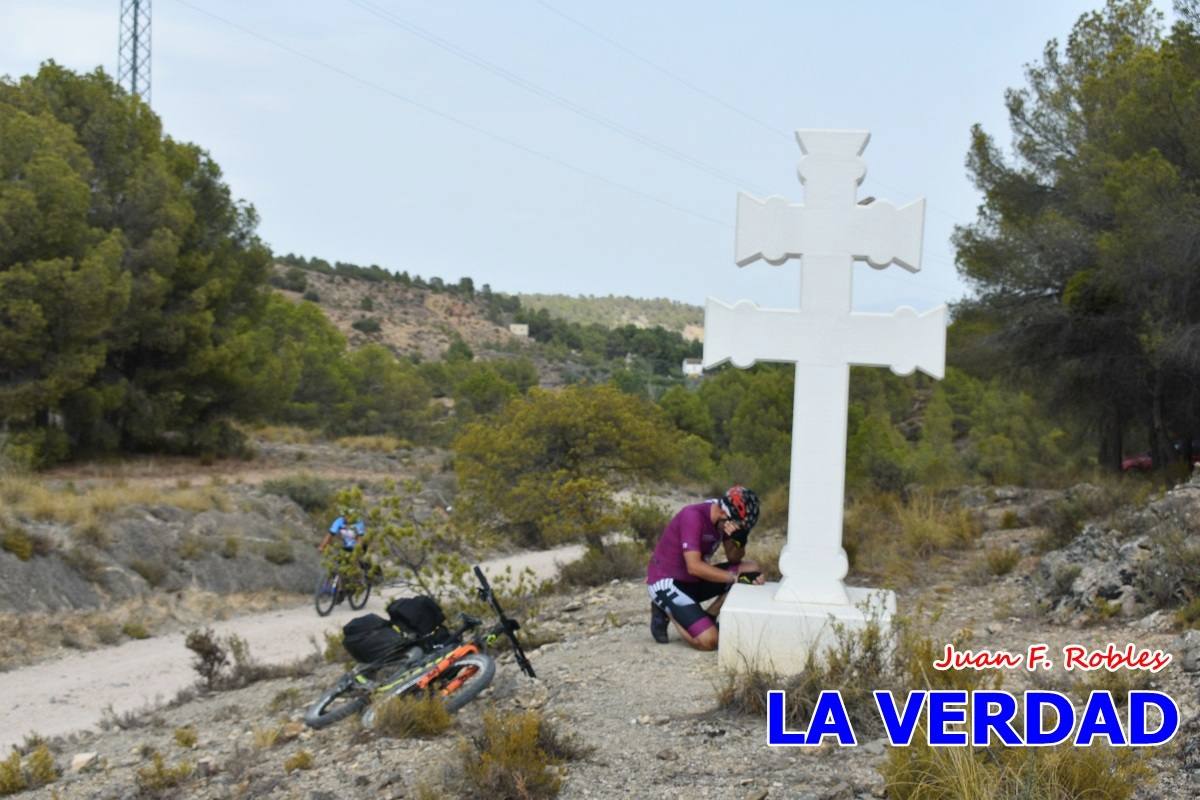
x=420, y=616
x=372, y=638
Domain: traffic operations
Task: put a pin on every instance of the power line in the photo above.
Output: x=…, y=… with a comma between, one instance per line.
x=701, y=91
x=886, y=274
x=451, y=118
x=547, y=94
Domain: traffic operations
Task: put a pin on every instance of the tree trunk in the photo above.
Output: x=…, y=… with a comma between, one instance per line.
x=1159, y=441
x=1112, y=440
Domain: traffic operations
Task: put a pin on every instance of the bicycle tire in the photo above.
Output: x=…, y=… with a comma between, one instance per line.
x=359, y=598
x=326, y=590
x=476, y=683
x=328, y=710
x=485, y=671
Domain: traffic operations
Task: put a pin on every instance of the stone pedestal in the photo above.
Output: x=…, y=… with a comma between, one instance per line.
x=760, y=632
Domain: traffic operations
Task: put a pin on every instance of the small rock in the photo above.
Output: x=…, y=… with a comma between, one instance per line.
x=1187, y=650
x=875, y=748
x=758, y=794
x=572, y=606
x=206, y=767
x=82, y=761
x=667, y=755
x=291, y=730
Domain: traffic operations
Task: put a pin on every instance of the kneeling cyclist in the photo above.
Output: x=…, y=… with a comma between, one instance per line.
x=679, y=577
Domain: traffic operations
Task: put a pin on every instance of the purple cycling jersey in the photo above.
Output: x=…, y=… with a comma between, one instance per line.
x=691, y=529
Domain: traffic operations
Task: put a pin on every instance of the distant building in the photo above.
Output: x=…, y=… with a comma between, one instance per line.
x=693, y=368
x=519, y=329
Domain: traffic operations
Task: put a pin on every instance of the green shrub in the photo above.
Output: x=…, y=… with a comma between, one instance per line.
x=646, y=521
x=153, y=572
x=186, y=737
x=367, y=304
x=279, y=552
x=16, y=541
x=408, y=716
x=40, y=768
x=602, y=565
x=301, y=759
x=231, y=546
x=12, y=778
x=1010, y=520
x=1189, y=615
x=367, y=325
x=159, y=777
x=1002, y=560
x=135, y=629
x=312, y=296
x=516, y=755
x=313, y=494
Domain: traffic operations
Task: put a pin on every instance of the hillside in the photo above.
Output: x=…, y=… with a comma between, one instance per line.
x=631, y=740
x=412, y=320
x=612, y=311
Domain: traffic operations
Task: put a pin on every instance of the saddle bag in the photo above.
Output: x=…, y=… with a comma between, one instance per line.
x=420, y=615
x=372, y=638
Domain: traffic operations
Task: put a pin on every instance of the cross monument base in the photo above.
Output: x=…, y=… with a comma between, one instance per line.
x=760, y=632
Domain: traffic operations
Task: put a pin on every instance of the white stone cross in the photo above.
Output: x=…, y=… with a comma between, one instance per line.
x=824, y=337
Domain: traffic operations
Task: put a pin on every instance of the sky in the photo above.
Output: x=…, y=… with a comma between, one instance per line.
x=565, y=146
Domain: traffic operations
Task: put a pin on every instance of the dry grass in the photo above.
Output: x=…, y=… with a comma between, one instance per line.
x=286, y=434
x=301, y=759
x=84, y=508
x=158, y=777
x=373, y=444
x=186, y=737
x=407, y=717
x=518, y=755
x=887, y=537
x=1002, y=560
x=39, y=769
x=268, y=737
x=921, y=772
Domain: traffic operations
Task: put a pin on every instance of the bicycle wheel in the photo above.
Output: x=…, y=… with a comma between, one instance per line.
x=463, y=682
x=326, y=596
x=359, y=594
x=343, y=700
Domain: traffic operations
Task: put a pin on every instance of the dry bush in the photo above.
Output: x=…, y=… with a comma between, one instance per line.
x=191, y=547
x=517, y=755
x=153, y=572
x=135, y=629
x=887, y=536
x=1010, y=520
x=12, y=777
x=410, y=716
x=286, y=434
x=921, y=772
x=279, y=552
x=158, y=777
x=285, y=700
x=313, y=494
x=83, y=508
x=1002, y=560
x=268, y=737
x=231, y=546
x=17, y=541
x=373, y=444
x=210, y=656
x=186, y=737
x=599, y=566
x=301, y=759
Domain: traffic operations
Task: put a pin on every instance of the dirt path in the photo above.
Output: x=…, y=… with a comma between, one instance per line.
x=71, y=693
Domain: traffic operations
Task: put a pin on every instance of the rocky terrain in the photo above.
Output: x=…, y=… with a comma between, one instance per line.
x=649, y=713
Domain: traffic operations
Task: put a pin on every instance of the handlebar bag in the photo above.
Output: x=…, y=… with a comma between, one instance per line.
x=372, y=638
x=420, y=615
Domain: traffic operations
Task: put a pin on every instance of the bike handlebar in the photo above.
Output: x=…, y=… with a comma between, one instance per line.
x=509, y=627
